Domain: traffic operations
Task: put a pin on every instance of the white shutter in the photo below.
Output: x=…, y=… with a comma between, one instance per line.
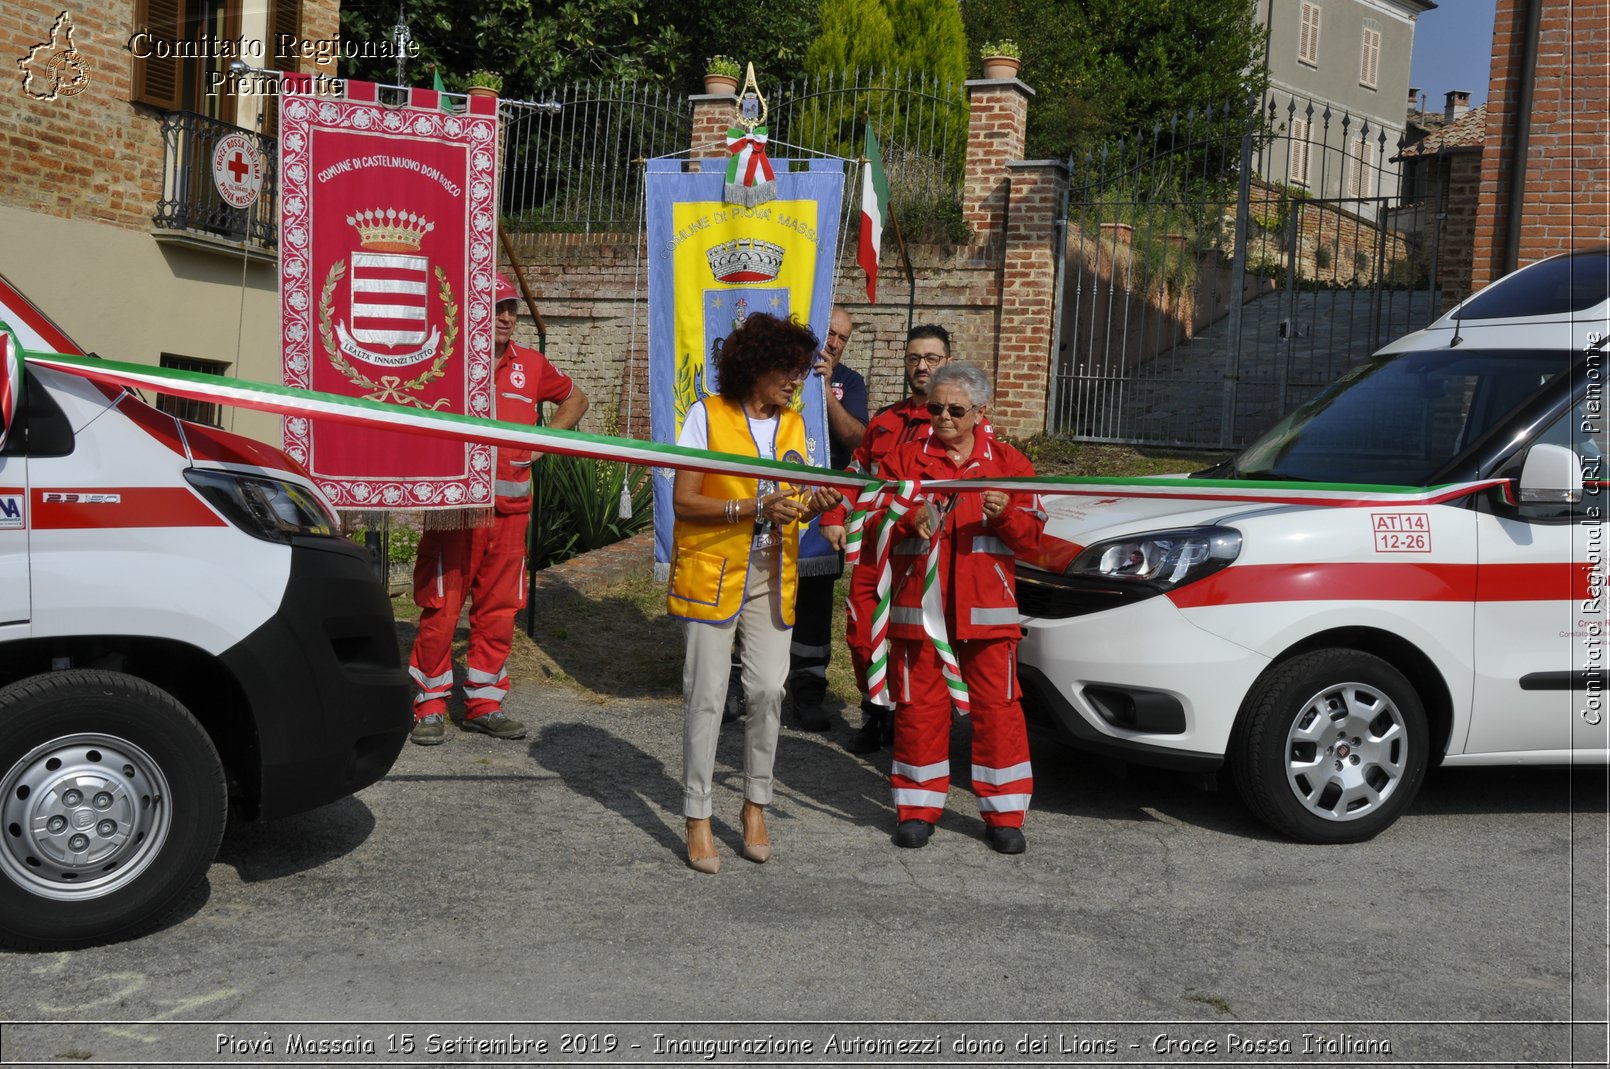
x=1297, y=153
x=1369, y=62
x=1308, y=35
x=1358, y=178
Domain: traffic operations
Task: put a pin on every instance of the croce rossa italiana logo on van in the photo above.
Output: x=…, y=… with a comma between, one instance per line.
x=388, y=318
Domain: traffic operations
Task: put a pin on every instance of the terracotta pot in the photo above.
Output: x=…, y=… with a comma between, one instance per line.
x=720, y=84
x=1001, y=66
x=482, y=91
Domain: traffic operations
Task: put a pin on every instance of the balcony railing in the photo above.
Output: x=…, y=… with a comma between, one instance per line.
x=190, y=199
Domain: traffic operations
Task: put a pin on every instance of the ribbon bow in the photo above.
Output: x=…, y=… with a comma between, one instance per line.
x=747, y=160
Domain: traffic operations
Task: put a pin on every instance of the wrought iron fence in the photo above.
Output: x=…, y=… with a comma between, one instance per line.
x=190, y=198
x=921, y=125
x=1223, y=267
x=574, y=162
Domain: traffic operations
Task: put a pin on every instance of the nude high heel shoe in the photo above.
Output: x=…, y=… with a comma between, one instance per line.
x=757, y=845
x=702, y=847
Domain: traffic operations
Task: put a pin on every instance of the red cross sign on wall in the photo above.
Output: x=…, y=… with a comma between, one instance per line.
x=237, y=170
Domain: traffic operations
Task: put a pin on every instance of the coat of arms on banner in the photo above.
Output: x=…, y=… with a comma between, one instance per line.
x=402, y=318
x=388, y=243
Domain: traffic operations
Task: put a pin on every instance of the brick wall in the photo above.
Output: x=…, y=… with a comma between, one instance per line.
x=1565, y=201
x=94, y=155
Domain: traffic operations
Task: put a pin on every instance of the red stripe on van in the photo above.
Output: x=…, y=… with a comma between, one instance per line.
x=136, y=506
x=1255, y=583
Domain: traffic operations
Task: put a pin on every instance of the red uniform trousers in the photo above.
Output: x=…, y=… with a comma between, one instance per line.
x=860, y=602
x=487, y=565
x=920, y=776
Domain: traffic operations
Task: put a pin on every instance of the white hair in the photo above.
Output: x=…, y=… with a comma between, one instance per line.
x=972, y=381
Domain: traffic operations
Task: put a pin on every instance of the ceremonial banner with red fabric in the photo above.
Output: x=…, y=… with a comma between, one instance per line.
x=387, y=255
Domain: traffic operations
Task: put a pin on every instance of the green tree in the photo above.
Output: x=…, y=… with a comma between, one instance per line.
x=929, y=38
x=855, y=34
x=535, y=44
x=1104, y=68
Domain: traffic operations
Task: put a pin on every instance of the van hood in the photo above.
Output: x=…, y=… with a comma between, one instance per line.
x=1076, y=521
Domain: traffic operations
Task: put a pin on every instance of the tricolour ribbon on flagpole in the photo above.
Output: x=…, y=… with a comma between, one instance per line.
x=750, y=179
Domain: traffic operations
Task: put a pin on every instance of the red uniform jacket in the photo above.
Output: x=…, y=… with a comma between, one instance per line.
x=523, y=380
x=977, y=576
x=886, y=431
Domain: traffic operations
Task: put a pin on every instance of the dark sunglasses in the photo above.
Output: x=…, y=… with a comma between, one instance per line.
x=956, y=411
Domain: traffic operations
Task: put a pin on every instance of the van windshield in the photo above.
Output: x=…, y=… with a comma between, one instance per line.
x=1399, y=418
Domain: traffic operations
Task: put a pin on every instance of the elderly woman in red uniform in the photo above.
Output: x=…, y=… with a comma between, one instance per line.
x=978, y=534
x=734, y=573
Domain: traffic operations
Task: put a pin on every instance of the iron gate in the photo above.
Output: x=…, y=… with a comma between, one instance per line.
x=1222, y=268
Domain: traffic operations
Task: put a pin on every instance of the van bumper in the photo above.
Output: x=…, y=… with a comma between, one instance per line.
x=327, y=688
x=1138, y=682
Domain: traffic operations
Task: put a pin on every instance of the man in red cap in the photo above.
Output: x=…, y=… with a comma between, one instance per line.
x=480, y=554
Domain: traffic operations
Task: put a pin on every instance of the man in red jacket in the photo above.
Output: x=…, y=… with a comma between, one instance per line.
x=975, y=537
x=927, y=349
x=480, y=554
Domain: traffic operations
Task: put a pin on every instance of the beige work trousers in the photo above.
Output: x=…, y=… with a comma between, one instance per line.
x=704, y=690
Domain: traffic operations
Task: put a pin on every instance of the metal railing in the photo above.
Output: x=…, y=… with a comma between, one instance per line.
x=574, y=162
x=190, y=199
x=1223, y=267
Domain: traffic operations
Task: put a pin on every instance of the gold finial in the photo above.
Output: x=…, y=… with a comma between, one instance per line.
x=751, y=105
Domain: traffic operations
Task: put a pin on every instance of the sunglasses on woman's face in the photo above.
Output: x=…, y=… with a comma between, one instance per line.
x=956, y=411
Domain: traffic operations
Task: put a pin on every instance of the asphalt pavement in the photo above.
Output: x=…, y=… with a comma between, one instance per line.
x=507, y=898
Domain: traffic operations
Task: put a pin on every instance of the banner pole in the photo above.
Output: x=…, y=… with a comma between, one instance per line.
x=536, y=499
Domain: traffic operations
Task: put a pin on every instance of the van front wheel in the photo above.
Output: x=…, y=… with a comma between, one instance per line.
x=1332, y=746
x=112, y=804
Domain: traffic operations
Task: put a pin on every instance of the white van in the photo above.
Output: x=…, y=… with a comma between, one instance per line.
x=1327, y=652
x=181, y=627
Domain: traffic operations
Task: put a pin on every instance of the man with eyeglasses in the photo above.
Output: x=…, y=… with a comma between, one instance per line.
x=812, y=646
x=927, y=349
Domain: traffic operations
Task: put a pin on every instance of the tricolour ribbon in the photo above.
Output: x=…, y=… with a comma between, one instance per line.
x=750, y=179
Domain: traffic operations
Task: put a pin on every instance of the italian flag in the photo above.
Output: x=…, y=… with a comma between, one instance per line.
x=874, y=210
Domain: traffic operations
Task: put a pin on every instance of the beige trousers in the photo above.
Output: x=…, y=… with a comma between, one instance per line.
x=704, y=692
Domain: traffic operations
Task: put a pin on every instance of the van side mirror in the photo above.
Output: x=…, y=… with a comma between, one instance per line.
x=1552, y=475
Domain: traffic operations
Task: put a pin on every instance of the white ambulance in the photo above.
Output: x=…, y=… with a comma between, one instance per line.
x=1326, y=644
x=181, y=627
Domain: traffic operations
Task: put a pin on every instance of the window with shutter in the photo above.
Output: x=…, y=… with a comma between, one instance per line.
x=1297, y=153
x=157, y=81
x=1308, y=35
x=284, y=18
x=1358, y=176
x=1370, y=55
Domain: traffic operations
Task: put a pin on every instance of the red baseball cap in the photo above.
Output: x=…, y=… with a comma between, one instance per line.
x=503, y=290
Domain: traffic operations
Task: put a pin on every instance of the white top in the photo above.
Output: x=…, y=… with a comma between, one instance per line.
x=695, y=434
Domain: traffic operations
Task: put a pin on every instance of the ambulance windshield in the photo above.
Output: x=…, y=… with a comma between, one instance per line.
x=1398, y=419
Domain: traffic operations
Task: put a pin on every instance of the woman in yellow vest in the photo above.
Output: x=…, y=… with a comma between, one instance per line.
x=733, y=567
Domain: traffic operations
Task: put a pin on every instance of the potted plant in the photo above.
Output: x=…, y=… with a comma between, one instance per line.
x=721, y=75
x=1001, y=58
x=485, y=83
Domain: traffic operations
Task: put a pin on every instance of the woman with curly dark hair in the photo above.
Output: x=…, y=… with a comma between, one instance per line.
x=733, y=568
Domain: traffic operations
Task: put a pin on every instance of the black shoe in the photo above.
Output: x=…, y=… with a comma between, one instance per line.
x=1005, y=840
x=812, y=717
x=912, y=834
x=869, y=739
x=734, y=707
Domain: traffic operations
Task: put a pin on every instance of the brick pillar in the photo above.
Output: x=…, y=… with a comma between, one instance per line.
x=1034, y=200
x=712, y=118
x=997, y=121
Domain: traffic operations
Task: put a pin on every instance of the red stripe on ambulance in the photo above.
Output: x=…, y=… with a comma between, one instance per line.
x=108, y=507
x=1419, y=581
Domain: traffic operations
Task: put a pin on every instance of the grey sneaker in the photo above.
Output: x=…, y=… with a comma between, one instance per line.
x=495, y=724
x=428, y=731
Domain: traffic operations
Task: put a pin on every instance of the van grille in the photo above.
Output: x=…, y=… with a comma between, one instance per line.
x=1060, y=599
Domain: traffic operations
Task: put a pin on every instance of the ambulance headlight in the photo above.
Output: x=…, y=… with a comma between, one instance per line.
x=1160, y=559
x=271, y=509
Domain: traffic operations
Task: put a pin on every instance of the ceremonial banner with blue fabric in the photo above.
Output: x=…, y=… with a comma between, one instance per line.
x=712, y=263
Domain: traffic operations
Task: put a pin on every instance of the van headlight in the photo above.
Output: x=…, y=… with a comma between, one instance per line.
x=274, y=510
x=1160, y=559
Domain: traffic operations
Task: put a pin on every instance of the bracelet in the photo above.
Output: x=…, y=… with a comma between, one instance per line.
x=727, y=510
x=759, y=510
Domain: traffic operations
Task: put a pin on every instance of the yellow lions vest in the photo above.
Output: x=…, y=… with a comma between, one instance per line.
x=710, y=558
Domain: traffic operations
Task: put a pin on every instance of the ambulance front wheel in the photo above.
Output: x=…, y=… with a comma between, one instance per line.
x=112, y=804
x=1331, y=746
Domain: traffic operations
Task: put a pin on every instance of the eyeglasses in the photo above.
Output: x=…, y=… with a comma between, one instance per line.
x=956, y=411
x=930, y=359
x=796, y=374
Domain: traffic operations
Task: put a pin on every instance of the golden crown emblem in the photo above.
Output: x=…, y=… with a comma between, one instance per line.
x=745, y=260
x=388, y=230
